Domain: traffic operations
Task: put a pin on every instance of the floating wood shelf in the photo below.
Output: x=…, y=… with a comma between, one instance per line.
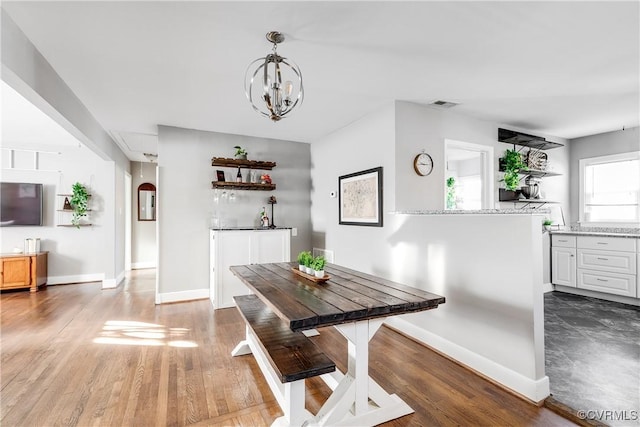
x=243, y=186
x=239, y=163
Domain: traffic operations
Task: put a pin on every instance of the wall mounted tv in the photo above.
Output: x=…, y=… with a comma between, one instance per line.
x=20, y=204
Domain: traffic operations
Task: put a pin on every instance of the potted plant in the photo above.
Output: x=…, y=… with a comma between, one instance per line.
x=305, y=259
x=513, y=164
x=241, y=153
x=318, y=266
x=79, y=203
x=547, y=224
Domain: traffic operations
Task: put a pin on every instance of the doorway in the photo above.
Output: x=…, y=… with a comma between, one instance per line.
x=468, y=176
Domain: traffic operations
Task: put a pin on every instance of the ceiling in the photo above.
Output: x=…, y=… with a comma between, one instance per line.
x=566, y=69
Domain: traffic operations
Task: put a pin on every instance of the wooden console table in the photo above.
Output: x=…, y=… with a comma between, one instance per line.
x=356, y=304
x=23, y=271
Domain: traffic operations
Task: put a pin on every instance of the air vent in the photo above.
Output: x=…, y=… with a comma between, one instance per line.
x=443, y=104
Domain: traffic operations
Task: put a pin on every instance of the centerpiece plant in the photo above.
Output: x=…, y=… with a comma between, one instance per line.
x=318, y=266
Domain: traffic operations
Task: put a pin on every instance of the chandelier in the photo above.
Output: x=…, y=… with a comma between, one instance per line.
x=270, y=96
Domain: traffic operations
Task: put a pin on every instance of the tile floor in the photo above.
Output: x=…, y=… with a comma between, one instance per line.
x=592, y=350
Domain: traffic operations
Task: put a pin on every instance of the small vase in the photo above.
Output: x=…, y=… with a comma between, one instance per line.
x=319, y=274
x=308, y=270
x=301, y=268
x=241, y=157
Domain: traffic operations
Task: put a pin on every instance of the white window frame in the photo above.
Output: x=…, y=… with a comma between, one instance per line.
x=583, y=163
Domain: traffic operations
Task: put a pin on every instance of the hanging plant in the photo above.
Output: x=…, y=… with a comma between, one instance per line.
x=513, y=164
x=79, y=203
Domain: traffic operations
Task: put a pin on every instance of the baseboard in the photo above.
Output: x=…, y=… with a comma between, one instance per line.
x=533, y=390
x=168, y=297
x=141, y=265
x=113, y=283
x=78, y=278
x=547, y=287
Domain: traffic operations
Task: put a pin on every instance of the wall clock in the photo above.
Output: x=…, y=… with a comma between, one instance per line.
x=423, y=164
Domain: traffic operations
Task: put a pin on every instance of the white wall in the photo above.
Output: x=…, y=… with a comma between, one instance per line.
x=186, y=206
x=604, y=144
x=143, y=233
x=75, y=255
x=489, y=267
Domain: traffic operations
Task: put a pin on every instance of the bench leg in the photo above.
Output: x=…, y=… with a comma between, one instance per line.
x=243, y=346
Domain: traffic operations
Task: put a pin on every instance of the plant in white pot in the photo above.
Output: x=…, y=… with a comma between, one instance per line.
x=240, y=153
x=304, y=261
x=318, y=266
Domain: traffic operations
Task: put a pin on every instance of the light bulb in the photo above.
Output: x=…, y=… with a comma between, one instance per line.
x=288, y=88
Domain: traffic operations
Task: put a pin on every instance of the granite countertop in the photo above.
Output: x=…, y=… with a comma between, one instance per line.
x=248, y=227
x=583, y=230
x=611, y=233
x=476, y=212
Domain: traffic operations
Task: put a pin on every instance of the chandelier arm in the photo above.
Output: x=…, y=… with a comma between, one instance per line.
x=249, y=92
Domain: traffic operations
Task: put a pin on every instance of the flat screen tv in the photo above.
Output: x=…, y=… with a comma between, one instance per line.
x=20, y=204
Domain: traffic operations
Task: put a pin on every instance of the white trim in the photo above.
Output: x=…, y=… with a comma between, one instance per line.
x=78, y=278
x=141, y=265
x=534, y=390
x=113, y=283
x=547, y=287
x=168, y=297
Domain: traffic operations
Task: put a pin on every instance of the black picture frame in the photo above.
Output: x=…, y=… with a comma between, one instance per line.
x=360, y=198
x=220, y=175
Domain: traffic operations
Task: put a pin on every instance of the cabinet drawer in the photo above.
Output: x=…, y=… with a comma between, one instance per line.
x=607, y=243
x=611, y=283
x=563, y=241
x=615, y=262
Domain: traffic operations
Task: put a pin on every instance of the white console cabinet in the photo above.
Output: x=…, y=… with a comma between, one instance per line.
x=241, y=247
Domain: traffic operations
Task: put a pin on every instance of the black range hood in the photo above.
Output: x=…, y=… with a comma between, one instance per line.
x=519, y=138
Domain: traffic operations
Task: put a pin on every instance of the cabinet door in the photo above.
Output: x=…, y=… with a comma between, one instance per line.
x=16, y=272
x=563, y=266
x=271, y=246
x=231, y=248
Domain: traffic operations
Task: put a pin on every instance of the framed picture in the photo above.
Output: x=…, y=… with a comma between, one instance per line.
x=360, y=198
x=220, y=175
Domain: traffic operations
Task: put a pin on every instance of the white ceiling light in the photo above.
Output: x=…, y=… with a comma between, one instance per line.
x=277, y=98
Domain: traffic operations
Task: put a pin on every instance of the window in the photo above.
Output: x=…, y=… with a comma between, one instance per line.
x=610, y=189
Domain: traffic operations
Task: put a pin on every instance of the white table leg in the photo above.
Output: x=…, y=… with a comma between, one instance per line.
x=356, y=398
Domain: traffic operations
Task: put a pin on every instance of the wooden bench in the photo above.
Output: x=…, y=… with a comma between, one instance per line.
x=285, y=357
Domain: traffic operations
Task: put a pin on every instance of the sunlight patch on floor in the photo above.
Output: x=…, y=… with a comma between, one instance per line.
x=125, y=332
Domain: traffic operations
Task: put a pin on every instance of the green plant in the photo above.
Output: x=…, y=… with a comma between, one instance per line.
x=79, y=203
x=318, y=263
x=451, y=193
x=240, y=151
x=305, y=258
x=513, y=164
x=547, y=222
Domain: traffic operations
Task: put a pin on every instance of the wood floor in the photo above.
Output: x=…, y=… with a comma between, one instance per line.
x=75, y=355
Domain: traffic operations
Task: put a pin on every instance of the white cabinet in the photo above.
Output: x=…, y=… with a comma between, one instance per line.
x=607, y=264
x=242, y=247
x=563, y=266
x=596, y=263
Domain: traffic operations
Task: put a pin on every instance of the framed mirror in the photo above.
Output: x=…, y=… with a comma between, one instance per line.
x=146, y=202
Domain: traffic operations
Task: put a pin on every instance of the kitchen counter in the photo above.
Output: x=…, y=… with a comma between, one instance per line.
x=577, y=230
x=475, y=212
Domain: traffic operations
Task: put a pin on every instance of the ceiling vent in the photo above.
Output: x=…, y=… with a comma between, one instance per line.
x=443, y=104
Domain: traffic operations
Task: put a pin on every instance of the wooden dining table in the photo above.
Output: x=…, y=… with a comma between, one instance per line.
x=356, y=304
